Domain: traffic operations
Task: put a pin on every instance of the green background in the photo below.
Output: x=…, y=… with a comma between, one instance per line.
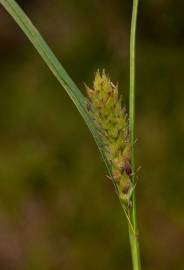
x=57, y=208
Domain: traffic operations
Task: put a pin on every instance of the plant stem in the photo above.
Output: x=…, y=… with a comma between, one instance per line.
x=133, y=237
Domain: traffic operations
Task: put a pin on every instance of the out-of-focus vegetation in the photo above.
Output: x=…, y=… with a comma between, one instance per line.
x=57, y=209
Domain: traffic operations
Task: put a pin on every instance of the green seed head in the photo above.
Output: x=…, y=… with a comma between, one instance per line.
x=111, y=120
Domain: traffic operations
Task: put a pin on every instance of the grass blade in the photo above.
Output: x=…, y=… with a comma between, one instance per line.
x=57, y=69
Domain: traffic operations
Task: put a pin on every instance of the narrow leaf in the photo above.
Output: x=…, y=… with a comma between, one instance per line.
x=57, y=69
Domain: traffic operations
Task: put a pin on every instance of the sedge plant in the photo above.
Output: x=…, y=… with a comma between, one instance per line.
x=102, y=110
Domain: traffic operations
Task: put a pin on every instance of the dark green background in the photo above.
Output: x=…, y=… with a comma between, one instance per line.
x=57, y=209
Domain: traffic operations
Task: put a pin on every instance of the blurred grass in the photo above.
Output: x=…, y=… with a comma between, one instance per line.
x=57, y=209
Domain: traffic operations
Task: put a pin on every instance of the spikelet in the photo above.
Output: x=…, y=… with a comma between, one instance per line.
x=112, y=123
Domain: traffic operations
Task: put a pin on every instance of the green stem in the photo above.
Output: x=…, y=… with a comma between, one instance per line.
x=133, y=237
x=134, y=244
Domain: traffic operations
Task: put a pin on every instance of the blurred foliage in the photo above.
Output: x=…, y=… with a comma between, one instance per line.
x=57, y=209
